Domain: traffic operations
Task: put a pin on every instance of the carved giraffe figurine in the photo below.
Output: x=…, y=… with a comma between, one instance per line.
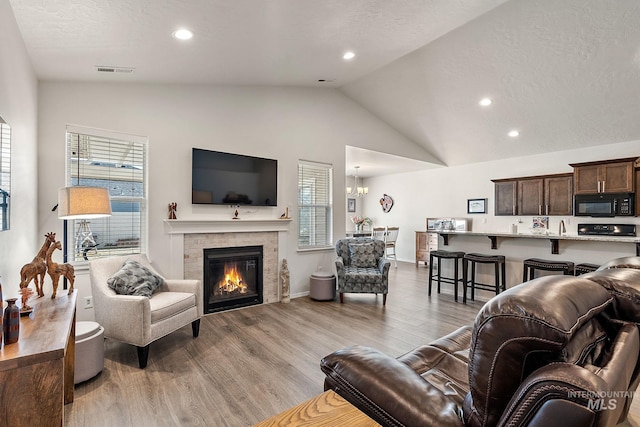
x=56, y=270
x=37, y=267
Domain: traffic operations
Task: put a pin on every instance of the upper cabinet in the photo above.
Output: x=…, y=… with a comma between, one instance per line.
x=613, y=176
x=540, y=195
x=558, y=194
x=505, y=197
x=530, y=196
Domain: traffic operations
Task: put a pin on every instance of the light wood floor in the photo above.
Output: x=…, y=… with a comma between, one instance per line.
x=252, y=363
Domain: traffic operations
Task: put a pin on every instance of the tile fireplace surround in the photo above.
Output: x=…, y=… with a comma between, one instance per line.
x=191, y=237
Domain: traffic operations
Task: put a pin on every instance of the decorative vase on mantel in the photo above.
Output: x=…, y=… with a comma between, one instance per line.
x=358, y=228
x=11, y=322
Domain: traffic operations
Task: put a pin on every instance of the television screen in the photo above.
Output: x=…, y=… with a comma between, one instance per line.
x=232, y=179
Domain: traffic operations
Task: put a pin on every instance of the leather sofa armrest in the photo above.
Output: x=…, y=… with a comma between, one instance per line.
x=386, y=389
x=560, y=394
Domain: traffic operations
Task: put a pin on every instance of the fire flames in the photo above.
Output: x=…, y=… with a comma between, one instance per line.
x=233, y=281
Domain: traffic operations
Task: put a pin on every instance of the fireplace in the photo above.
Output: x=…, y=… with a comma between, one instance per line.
x=232, y=277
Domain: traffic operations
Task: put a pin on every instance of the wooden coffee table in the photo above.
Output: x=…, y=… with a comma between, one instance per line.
x=327, y=409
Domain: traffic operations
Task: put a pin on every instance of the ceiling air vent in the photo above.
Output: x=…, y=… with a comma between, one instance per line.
x=105, y=69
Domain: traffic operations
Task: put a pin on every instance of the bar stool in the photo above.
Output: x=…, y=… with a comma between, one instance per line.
x=500, y=271
x=532, y=264
x=585, y=268
x=439, y=255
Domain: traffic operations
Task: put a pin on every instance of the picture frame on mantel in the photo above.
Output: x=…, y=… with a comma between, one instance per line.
x=351, y=205
x=477, y=206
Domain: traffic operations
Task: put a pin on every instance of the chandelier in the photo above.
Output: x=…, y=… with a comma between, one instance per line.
x=357, y=190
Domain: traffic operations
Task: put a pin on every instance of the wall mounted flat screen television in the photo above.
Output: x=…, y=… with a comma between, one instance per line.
x=233, y=179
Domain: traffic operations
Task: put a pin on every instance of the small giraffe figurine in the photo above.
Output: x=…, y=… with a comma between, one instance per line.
x=56, y=270
x=37, y=267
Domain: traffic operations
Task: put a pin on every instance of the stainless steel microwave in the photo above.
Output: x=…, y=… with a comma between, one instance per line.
x=603, y=204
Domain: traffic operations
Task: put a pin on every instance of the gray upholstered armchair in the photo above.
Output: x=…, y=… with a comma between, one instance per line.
x=140, y=320
x=361, y=267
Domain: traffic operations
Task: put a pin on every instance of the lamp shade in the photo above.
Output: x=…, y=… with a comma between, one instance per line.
x=83, y=203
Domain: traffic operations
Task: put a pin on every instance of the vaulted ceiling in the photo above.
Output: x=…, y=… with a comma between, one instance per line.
x=565, y=74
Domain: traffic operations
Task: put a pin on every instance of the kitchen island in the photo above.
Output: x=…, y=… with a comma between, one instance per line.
x=553, y=238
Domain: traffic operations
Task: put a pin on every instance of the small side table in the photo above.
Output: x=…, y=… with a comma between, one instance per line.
x=322, y=286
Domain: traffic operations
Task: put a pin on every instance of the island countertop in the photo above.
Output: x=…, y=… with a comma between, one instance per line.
x=553, y=238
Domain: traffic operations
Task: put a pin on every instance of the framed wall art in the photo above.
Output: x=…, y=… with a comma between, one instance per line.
x=351, y=205
x=476, y=206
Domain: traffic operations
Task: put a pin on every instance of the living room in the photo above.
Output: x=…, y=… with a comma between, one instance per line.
x=314, y=122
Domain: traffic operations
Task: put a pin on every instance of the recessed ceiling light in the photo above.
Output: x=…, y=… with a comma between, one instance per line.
x=349, y=55
x=183, y=34
x=513, y=133
x=486, y=102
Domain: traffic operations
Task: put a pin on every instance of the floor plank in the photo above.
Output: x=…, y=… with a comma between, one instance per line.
x=250, y=364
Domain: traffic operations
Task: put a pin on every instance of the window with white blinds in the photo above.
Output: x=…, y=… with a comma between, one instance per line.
x=119, y=164
x=5, y=174
x=315, y=205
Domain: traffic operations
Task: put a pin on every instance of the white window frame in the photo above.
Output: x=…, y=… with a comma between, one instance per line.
x=309, y=237
x=108, y=169
x=5, y=175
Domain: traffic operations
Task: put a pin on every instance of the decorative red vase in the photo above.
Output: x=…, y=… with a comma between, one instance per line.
x=11, y=322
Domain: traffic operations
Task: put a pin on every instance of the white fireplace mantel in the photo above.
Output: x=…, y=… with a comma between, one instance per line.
x=194, y=226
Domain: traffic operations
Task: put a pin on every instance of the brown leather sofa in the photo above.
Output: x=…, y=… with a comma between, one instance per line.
x=554, y=351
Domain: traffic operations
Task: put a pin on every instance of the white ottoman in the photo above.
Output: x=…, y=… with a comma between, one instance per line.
x=89, y=351
x=322, y=286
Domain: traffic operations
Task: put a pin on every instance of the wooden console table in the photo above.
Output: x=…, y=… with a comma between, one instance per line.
x=36, y=373
x=327, y=409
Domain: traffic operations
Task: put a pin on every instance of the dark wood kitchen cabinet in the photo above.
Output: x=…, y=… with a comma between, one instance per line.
x=558, y=194
x=530, y=196
x=505, y=197
x=537, y=195
x=611, y=176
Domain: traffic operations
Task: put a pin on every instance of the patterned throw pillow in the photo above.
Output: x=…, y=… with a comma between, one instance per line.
x=135, y=279
x=362, y=255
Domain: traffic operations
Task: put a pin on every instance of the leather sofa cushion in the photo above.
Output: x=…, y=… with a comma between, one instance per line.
x=539, y=316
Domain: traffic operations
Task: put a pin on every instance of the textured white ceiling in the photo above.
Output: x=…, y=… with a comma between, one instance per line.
x=255, y=42
x=566, y=74
x=563, y=72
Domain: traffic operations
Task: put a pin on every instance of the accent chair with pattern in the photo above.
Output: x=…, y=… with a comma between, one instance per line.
x=361, y=267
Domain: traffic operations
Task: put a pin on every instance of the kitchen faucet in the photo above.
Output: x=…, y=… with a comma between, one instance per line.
x=561, y=228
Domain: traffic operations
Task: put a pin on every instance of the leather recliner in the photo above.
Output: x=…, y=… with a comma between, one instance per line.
x=554, y=351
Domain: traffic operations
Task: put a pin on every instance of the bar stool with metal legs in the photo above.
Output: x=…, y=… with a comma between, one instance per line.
x=500, y=274
x=532, y=264
x=439, y=255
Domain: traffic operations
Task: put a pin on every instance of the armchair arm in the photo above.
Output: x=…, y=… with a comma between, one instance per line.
x=340, y=269
x=384, y=265
x=125, y=318
x=387, y=390
x=187, y=285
